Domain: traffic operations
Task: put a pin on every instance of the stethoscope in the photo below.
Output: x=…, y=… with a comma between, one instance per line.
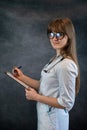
x=48, y=70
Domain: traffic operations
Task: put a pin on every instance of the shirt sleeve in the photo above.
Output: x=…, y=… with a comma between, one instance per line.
x=67, y=80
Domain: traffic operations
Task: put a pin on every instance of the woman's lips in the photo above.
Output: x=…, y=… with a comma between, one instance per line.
x=55, y=43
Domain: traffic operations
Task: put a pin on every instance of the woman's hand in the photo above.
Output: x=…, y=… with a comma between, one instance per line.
x=17, y=72
x=31, y=94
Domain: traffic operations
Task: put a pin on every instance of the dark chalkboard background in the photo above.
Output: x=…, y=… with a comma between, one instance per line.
x=23, y=41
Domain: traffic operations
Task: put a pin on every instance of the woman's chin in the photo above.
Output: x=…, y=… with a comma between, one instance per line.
x=56, y=46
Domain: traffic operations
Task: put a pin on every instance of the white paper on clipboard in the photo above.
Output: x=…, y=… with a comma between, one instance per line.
x=17, y=80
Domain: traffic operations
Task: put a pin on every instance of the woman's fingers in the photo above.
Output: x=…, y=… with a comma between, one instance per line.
x=15, y=71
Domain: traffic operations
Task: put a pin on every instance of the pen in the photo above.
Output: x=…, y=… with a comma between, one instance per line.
x=19, y=67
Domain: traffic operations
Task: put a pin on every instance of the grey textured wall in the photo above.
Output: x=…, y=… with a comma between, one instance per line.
x=23, y=41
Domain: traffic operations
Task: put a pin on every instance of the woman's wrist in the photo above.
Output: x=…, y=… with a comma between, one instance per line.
x=37, y=98
x=22, y=77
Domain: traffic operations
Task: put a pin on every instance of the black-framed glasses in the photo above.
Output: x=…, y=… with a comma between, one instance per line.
x=59, y=35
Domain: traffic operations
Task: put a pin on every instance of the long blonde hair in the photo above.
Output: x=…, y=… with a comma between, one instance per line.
x=66, y=26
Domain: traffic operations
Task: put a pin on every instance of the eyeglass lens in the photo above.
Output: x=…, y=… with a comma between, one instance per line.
x=58, y=35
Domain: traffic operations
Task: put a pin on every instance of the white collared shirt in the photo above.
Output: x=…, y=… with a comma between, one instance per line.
x=59, y=81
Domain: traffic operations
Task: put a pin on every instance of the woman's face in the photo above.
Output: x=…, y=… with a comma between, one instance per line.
x=58, y=44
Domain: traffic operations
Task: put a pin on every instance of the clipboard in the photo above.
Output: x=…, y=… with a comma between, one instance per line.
x=17, y=80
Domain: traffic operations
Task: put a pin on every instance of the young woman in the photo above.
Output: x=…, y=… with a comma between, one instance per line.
x=59, y=82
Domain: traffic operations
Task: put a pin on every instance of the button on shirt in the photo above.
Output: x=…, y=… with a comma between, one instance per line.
x=59, y=81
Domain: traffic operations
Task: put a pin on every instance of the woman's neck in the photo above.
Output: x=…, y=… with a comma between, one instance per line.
x=57, y=52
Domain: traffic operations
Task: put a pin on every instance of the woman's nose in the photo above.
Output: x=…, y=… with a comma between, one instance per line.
x=55, y=38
